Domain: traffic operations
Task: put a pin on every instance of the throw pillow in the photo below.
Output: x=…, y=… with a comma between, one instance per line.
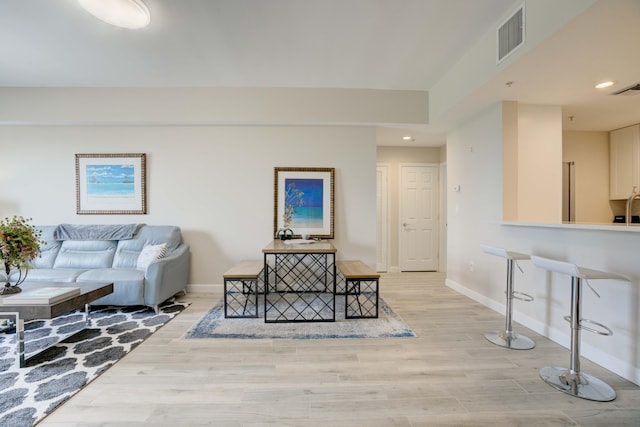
x=149, y=254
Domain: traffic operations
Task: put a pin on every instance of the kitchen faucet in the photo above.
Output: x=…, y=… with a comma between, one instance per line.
x=634, y=195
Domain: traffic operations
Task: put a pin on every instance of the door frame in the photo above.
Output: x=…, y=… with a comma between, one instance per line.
x=382, y=220
x=442, y=255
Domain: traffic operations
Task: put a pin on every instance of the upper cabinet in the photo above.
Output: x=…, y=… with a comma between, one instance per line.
x=624, y=146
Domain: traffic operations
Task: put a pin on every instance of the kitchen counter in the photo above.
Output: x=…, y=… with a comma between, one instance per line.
x=631, y=228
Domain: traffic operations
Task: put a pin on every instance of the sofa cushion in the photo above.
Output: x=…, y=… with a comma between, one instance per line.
x=85, y=254
x=51, y=274
x=128, y=285
x=112, y=275
x=49, y=250
x=128, y=251
x=149, y=254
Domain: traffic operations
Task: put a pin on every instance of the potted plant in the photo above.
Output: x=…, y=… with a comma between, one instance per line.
x=19, y=243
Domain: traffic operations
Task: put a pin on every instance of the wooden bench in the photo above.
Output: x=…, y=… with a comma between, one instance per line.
x=361, y=290
x=241, y=289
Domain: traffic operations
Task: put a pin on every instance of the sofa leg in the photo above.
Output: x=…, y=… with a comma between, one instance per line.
x=156, y=308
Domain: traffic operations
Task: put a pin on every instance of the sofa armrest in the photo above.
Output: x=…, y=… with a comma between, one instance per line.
x=167, y=276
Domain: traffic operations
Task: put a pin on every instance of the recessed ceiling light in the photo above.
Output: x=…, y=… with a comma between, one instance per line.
x=407, y=138
x=131, y=14
x=603, y=85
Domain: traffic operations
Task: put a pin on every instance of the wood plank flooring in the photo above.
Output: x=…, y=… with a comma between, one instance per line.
x=450, y=375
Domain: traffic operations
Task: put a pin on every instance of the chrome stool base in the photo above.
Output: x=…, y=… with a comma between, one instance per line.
x=577, y=384
x=510, y=340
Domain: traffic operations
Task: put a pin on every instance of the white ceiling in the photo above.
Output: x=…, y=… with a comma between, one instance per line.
x=378, y=44
x=375, y=44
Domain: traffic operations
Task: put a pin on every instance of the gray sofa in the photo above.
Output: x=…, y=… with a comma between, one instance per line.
x=95, y=257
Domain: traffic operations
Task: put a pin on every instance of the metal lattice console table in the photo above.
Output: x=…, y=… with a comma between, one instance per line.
x=361, y=289
x=241, y=289
x=300, y=281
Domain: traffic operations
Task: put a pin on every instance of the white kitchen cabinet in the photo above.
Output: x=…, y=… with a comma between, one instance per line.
x=624, y=157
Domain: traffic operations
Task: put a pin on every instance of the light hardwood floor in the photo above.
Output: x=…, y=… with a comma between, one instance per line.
x=450, y=375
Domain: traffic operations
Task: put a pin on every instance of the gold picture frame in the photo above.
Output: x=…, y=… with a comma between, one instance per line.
x=111, y=184
x=304, y=201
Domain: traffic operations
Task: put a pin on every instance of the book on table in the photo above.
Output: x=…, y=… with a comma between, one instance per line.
x=45, y=295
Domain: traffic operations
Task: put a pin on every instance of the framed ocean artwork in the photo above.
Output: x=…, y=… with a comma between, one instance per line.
x=303, y=201
x=111, y=184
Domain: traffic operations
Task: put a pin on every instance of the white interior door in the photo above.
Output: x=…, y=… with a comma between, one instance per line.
x=419, y=218
x=382, y=217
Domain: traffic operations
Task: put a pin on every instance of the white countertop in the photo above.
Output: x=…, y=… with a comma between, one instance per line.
x=632, y=228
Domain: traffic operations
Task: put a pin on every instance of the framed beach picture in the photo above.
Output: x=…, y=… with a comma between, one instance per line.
x=111, y=184
x=303, y=201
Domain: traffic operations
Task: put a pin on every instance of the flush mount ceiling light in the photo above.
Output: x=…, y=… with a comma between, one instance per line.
x=407, y=138
x=131, y=14
x=603, y=85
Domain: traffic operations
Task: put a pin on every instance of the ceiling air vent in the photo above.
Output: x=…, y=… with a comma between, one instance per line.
x=629, y=91
x=511, y=34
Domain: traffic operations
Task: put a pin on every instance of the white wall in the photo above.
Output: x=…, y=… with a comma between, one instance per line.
x=215, y=182
x=539, y=163
x=474, y=216
x=211, y=105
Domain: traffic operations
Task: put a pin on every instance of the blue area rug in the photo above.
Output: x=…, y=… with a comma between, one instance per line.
x=52, y=376
x=387, y=325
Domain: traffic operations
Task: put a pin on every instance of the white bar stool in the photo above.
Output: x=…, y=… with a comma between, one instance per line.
x=507, y=338
x=572, y=381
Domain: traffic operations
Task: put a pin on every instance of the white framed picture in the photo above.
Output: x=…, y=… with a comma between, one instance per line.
x=304, y=201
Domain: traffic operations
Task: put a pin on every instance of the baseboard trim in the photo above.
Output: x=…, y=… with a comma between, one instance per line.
x=594, y=354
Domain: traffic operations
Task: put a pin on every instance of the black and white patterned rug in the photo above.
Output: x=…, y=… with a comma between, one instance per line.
x=54, y=375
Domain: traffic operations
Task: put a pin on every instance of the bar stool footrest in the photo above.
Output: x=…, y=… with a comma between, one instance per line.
x=577, y=384
x=510, y=340
x=522, y=296
x=607, y=332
